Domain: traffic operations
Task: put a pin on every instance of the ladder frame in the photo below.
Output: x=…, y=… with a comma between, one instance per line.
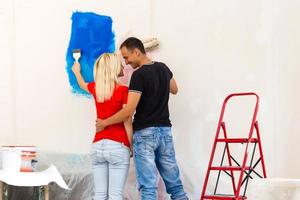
x=248, y=170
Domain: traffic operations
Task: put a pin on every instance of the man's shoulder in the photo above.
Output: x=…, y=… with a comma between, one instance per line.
x=146, y=68
x=159, y=63
x=151, y=66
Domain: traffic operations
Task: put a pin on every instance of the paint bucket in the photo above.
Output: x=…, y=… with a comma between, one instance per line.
x=11, y=159
x=19, y=158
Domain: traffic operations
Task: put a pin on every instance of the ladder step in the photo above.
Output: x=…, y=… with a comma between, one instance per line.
x=238, y=140
x=229, y=168
x=224, y=197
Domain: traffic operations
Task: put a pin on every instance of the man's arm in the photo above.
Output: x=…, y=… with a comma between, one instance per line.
x=173, y=86
x=122, y=115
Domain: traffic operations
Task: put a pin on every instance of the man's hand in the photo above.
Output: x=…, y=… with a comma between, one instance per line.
x=100, y=125
x=131, y=151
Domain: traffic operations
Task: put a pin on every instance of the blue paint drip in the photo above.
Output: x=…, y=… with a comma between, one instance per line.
x=92, y=33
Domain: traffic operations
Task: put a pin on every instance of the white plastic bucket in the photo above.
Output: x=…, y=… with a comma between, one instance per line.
x=19, y=158
x=11, y=159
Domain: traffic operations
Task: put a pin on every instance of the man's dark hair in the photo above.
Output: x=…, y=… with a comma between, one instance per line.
x=132, y=43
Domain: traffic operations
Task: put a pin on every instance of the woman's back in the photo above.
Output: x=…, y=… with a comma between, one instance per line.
x=108, y=108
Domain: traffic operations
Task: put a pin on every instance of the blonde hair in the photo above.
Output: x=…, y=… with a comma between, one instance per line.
x=106, y=71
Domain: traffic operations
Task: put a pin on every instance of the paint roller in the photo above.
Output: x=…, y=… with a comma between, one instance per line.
x=150, y=44
x=76, y=54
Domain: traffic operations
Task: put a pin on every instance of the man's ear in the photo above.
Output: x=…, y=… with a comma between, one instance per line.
x=136, y=51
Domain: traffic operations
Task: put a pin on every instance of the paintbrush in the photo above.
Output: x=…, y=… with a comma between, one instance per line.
x=76, y=54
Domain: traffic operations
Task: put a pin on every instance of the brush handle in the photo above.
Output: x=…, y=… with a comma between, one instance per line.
x=76, y=56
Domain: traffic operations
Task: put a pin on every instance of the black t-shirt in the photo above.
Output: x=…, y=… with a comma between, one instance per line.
x=153, y=82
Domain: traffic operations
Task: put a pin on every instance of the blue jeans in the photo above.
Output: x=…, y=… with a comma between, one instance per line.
x=110, y=164
x=154, y=149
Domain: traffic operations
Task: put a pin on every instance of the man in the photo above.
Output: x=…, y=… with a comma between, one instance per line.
x=148, y=97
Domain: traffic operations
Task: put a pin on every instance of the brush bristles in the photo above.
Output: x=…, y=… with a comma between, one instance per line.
x=76, y=54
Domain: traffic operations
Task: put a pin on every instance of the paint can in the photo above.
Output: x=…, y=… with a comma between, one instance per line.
x=19, y=158
x=11, y=159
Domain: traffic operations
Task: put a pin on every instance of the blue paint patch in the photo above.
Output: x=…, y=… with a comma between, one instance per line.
x=93, y=34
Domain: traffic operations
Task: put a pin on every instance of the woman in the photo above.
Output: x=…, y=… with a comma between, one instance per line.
x=111, y=147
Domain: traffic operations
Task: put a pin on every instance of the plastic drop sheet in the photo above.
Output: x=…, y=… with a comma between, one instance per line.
x=76, y=172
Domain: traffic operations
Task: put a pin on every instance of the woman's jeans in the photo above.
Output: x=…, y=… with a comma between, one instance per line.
x=110, y=164
x=154, y=149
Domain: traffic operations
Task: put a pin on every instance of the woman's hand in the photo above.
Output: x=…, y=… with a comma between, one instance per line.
x=76, y=67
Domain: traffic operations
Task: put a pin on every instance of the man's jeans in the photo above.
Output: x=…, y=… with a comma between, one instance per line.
x=110, y=164
x=154, y=149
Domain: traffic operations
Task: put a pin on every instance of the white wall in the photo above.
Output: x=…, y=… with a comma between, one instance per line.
x=7, y=70
x=219, y=47
x=213, y=47
x=48, y=111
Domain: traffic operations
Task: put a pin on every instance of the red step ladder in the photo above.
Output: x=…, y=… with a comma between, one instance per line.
x=233, y=165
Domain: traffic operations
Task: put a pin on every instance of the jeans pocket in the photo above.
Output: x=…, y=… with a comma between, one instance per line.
x=143, y=144
x=168, y=146
x=119, y=157
x=97, y=158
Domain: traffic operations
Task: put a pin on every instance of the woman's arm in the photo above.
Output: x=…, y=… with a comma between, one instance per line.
x=76, y=70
